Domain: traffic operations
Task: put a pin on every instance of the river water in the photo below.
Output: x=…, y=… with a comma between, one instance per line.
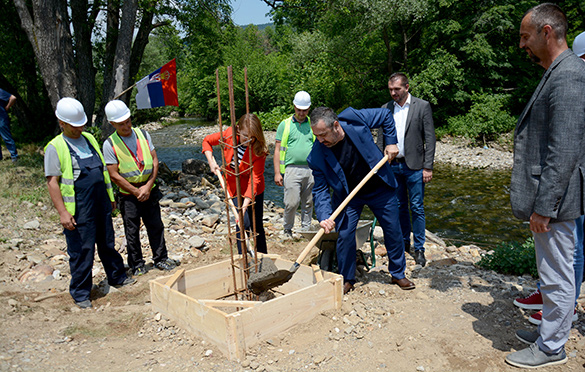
x=462, y=205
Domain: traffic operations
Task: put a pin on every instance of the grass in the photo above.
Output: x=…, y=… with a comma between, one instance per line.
x=25, y=180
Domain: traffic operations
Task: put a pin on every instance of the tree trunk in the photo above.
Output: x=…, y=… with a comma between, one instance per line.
x=83, y=27
x=120, y=73
x=52, y=43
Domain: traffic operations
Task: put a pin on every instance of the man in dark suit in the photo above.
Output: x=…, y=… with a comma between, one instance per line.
x=547, y=178
x=413, y=166
x=342, y=157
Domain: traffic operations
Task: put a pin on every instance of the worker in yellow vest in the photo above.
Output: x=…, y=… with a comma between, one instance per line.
x=80, y=188
x=133, y=166
x=294, y=141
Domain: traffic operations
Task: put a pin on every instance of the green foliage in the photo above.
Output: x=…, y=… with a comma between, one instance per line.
x=512, y=259
x=271, y=119
x=486, y=118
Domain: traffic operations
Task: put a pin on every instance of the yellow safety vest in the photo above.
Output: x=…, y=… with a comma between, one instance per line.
x=128, y=163
x=66, y=182
x=284, y=141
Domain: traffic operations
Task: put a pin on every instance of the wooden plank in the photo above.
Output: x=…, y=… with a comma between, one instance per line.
x=208, y=282
x=227, y=303
x=236, y=340
x=317, y=273
x=201, y=320
x=234, y=333
x=279, y=314
x=175, y=277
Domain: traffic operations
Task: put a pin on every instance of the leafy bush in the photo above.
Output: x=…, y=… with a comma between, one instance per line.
x=486, y=119
x=512, y=259
x=270, y=120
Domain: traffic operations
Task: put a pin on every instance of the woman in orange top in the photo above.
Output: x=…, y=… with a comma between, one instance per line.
x=251, y=138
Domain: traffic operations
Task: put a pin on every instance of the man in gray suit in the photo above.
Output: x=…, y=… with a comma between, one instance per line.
x=413, y=167
x=547, y=178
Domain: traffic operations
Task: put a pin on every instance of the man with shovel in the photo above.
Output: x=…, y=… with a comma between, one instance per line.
x=343, y=156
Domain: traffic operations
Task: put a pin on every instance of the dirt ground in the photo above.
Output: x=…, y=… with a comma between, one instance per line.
x=459, y=317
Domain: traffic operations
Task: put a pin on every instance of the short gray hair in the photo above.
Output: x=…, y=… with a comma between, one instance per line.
x=323, y=113
x=549, y=14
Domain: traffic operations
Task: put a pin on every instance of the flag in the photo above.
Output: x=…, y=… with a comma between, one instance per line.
x=158, y=88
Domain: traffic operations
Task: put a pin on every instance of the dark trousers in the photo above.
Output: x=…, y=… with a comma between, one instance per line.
x=259, y=215
x=149, y=211
x=81, y=244
x=384, y=205
x=93, y=215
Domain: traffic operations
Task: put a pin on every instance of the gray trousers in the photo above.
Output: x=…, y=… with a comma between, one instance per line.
x=554, y=259
x=298, y=186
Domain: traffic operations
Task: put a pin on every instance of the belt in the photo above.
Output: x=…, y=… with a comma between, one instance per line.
x=398, y=160
x=138, y=184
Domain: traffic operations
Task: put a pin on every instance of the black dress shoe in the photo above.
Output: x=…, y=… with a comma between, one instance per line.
x=419, y=258
x=347, y=287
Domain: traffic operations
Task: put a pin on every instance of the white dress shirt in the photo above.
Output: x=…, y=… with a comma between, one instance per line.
x=400, y=115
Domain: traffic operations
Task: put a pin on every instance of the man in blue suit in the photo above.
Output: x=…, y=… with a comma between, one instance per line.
x=342, y=157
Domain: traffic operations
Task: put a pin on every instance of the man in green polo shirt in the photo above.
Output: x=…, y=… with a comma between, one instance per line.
x=294, y=141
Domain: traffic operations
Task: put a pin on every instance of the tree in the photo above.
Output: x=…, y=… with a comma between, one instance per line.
x=66, y=61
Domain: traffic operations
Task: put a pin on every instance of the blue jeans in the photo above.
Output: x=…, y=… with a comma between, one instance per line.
x=7, y=137
x=411, y=192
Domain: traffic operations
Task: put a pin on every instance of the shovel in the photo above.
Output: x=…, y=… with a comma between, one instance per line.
x=235, y=212
x=265, y=280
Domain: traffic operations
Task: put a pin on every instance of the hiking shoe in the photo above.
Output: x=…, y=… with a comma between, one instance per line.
x=533, y=357
x=140, y=270
x=528, y=337
x=127, y=281
x=85, y=304
x=536, y=318
x=165, y=265
x=531, y=302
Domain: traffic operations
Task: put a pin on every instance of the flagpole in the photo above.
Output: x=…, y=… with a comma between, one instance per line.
x=125, y=91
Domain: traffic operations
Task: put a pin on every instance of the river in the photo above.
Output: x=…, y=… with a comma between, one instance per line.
x=462, y=205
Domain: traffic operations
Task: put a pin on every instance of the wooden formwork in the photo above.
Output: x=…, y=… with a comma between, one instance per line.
x=202, y=302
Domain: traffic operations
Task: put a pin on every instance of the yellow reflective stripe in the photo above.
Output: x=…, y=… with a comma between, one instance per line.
x=127, y=166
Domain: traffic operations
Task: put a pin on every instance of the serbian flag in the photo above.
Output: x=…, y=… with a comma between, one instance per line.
x=158, y=88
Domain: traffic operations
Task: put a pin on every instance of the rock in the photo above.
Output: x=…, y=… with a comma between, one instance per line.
x=378, y=234
x=12, y=303
x=196, y=242
x=381, y=251
x=194, y=166
x=32, y=225
x=210, y=220
x=36, y=274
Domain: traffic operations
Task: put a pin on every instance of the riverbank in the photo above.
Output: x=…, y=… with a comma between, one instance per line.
x=449, y=151
x=459, y=318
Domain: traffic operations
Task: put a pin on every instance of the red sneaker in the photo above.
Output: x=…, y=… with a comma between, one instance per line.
x=531, y=302
x=536, y=318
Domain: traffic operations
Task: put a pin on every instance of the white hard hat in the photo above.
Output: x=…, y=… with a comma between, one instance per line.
x=302, y=100
x=70, y=111
x=117, y=111
x=579, y=44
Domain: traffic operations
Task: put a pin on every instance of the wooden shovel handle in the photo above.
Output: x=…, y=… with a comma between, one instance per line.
x=341, y=208
x=222, y=183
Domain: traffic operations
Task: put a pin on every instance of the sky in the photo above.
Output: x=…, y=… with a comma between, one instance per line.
x=250, y=12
